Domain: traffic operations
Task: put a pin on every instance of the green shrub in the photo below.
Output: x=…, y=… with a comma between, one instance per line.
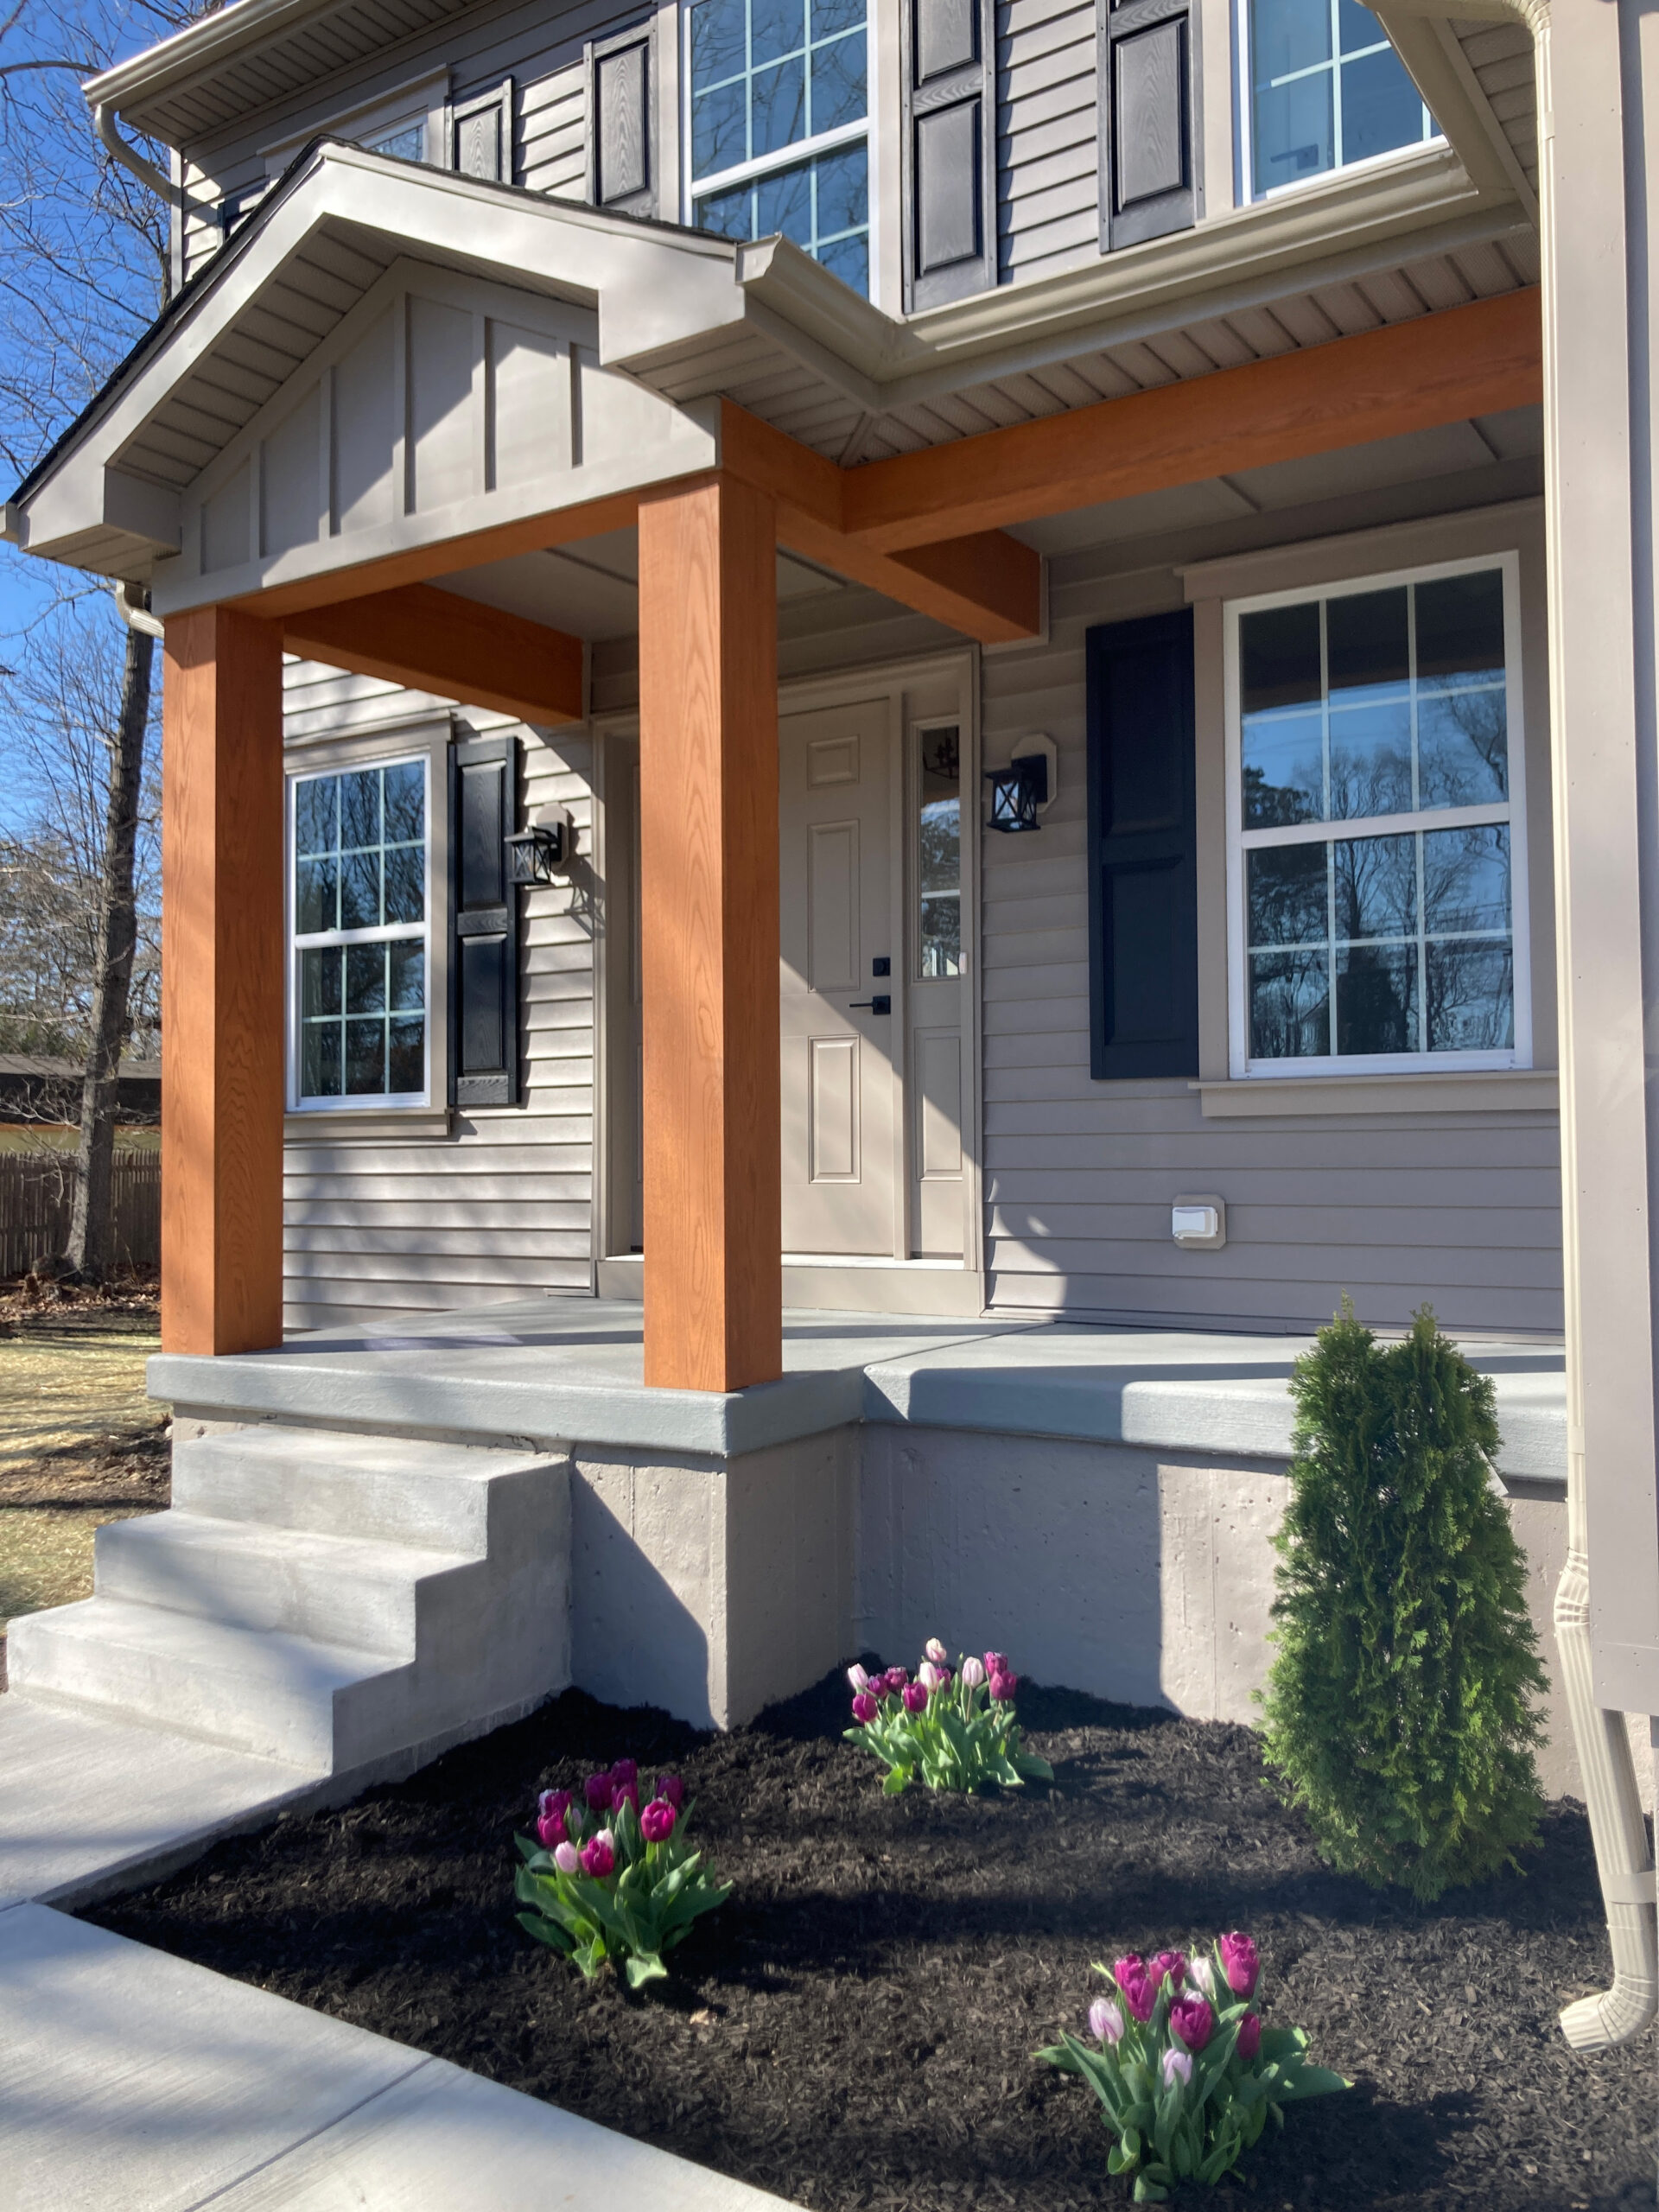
x=1398, y=1714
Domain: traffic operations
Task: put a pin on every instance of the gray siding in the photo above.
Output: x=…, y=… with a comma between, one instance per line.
x=1047, y=195
x=504, y=1206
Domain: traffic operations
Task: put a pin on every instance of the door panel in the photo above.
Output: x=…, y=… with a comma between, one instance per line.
x=840, y=1119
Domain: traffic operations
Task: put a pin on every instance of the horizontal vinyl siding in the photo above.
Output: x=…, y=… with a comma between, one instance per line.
x=502, y=1207
x=1460, y=1208
x=1047, y=195
x=1500, y=56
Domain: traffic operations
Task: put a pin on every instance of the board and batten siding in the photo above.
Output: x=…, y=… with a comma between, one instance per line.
x=502, y=1207
x=1459, y=1208
x=1047, y=164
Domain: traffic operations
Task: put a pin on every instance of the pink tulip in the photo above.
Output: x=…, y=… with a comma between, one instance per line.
x=670, y=1786
x=1105, y=2019
x=973, y=1673
x=1249, y=2036
x=1177, y=2064
x=1240, y=1963
x=996, y=1663
x=623, y=1770
x=599, y=1791
x=1173, y=1963
x=549, y=1830
x=565, y=1859
x=865, y=1708
x=936, y=1651
x=1190, y=2018
x=1002, y=1687
x=915, y=1697
x=929, y=1675
x=858, y=1678
x=1140, y=1990
x=657, y=1821
x=599, y=1856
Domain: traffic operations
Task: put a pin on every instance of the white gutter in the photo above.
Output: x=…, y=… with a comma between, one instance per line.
x=130, y=158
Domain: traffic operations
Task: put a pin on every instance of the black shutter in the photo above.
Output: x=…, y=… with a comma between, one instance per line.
x=621, y=153
x=1143, y=947
x=950, y=164
x=483, y=135
x=1148, y=119
x=484, y=951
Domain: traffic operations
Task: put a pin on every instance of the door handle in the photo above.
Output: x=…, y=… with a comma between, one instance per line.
x=883, y=1003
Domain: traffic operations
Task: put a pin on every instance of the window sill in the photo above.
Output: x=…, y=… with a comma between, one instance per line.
x=1419, y=1092
x=328, y=1126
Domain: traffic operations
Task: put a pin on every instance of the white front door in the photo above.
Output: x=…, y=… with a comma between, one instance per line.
x=841, y=983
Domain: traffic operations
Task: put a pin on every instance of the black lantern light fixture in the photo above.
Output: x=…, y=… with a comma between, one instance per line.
x=1017, y=791
x=536, y=855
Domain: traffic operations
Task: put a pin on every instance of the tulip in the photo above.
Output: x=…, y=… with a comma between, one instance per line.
x=1105, y=2019
x=894, y=1680
x=858, y=1678
x=1249, y=2036
x=1240, y=1963
x=1202, y=1975
x=865, y=1708
x=670, y=1786
x=553, y=1801
x=1140, y=1990
x=928, y=1676
x=1002, y=1689
x=599, y=1791
x=626, y=1793
x=973, y=1673
x=915, y=1697
x=550, y=1830
x=1173, y=1963
x=996, y=1663
x=623, y=1770
x=1177, y=2063
x=565, y=1859
x=657, y=1821
x=1190, y=2018
x=936, y=1651
x=599, y=1856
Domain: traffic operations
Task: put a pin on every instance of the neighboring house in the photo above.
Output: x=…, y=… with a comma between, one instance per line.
x=736, y=450
x=36, y=1087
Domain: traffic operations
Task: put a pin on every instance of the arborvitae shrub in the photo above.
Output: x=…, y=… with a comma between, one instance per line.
x=1399, y=1714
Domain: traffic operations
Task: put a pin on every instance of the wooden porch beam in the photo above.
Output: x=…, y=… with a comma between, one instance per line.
x=432, y=641
x=708, y=877
x=1438, y=368
x=222, y=1028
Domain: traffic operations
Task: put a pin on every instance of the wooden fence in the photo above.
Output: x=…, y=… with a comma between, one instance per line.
x=37, y=1189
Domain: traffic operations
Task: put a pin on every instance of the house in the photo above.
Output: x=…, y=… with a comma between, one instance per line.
x=1104, y=555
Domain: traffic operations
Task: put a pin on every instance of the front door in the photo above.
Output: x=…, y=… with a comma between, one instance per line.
x=841, y=981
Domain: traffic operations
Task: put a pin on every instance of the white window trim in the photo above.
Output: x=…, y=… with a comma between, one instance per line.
x=1244, y=126
x=352, y=1101
x=1241, y=1066
x=862, y=131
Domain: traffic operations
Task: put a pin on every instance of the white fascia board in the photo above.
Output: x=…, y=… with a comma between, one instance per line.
x=202, y=46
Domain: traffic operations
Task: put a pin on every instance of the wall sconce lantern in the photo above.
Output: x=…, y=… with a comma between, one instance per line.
x=1024, y=788
x=536, y=855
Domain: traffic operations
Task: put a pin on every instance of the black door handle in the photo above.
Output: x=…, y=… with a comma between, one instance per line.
x=881, y=1004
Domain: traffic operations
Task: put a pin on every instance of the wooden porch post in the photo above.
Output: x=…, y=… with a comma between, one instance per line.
x=709, y=936
x=222, y=1024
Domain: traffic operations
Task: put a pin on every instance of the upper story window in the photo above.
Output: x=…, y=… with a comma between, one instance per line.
x=1376, y=845
x=1325, y=90
x=777, y=130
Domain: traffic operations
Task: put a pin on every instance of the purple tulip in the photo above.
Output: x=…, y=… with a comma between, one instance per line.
x=623, y=1770
x=599, y=1791
x=657, y=1821
x=1105, y=2021
x=973, y=1673
x=1249, y=2036
x=858, y=1678
x=670, y=1786
x=936, y=1651
x=553, y=1801
x=915, y=1697
x=865, y=1708
x=1190, y=2018
x=1140, y=1990
x=1240, y=1963
x=1177, y=2062
x=893, y=1680
x=1002, y=1687
x=565, y=1859
x=996, y=1663
x=625, y=1793
x=599, y=1856
x=1173, y=1963
x=550, y=1830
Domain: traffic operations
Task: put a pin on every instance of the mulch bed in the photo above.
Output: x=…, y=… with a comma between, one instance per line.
x=854, y=2028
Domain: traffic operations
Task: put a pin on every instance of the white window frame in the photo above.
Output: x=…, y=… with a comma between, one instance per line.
x=355, y=1102
x=860, y=132
x=1245, y=122
x=421, y=99
x=1512, y=812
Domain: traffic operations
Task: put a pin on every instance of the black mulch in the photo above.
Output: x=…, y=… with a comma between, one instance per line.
x=854, y=2028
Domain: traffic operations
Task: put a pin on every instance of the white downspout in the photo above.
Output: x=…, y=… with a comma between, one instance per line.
x=130, y=158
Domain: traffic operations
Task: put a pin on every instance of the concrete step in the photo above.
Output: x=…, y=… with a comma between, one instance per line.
x=399, y=1489
x=257, y=1690
x=357, y=1592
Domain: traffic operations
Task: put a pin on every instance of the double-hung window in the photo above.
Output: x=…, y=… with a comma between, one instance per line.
x=360, y=958
x=1376, y=849
x=1322, y=89
x=777, y=130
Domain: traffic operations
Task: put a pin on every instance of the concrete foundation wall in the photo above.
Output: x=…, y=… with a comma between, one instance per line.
x=1127, y=1573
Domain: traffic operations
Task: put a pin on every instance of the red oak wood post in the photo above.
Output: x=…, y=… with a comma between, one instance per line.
x=709, y=936
x=222, y=950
